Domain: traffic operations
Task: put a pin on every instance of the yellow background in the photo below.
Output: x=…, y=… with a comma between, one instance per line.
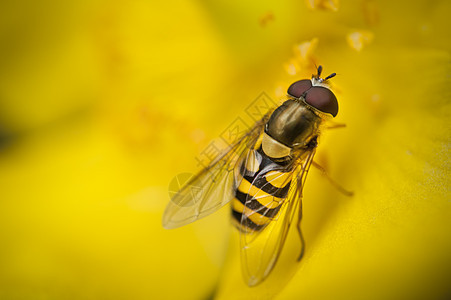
x=102, y=103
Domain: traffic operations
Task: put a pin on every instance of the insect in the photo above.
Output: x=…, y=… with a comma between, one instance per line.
x=262, y=174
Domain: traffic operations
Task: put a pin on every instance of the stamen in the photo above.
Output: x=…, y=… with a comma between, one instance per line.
x=357, y=40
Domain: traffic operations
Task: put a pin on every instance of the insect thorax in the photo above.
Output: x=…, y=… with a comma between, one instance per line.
x=292, y=125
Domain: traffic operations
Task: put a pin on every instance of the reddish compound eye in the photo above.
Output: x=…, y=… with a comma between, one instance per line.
x=299, y=87
x=322, y=99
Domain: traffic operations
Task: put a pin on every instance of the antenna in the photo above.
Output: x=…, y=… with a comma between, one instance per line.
x=320, y=69
x=330, y=76
x=318, y=74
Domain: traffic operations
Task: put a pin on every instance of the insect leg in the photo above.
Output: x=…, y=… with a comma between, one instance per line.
x=298, y=226
x=333, y=182
x=335, y=125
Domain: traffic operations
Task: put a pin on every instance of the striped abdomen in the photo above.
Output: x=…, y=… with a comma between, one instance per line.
x=260, y=194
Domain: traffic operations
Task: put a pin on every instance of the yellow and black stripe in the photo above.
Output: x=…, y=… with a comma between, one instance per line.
x=260, y=194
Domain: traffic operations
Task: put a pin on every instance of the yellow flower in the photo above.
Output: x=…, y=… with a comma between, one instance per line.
x=103, y=103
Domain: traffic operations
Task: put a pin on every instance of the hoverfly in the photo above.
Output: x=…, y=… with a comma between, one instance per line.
x=262, y=174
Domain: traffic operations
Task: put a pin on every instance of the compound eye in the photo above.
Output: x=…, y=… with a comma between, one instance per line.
x=299, y=87
x=322, y=99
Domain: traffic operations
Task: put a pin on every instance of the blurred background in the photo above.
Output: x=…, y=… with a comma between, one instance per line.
x=103, y=103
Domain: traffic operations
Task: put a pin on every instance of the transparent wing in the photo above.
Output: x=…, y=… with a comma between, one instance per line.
x=212, y=187
x=260, y=250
